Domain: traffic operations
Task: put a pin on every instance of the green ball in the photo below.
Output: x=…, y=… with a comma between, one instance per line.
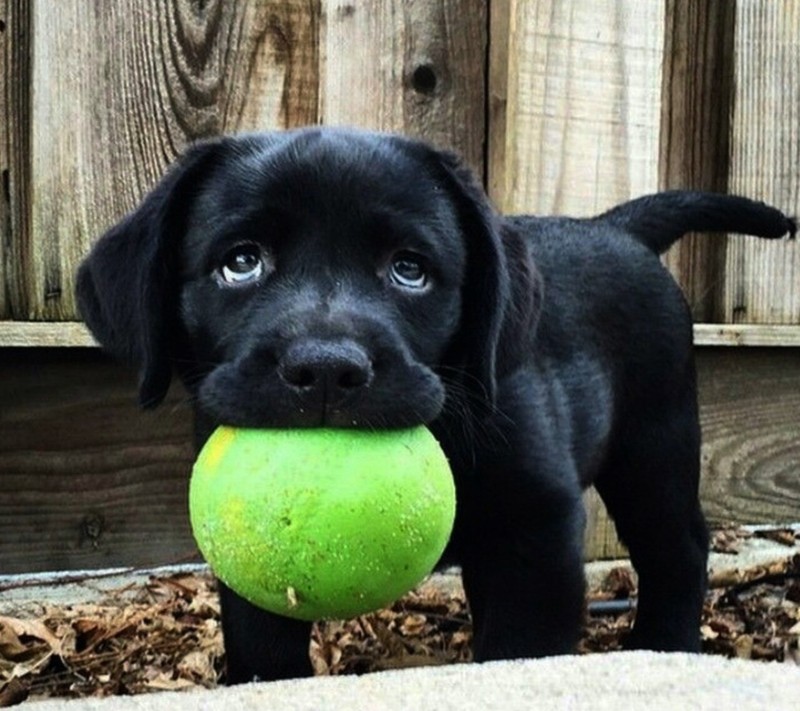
x=321, y=523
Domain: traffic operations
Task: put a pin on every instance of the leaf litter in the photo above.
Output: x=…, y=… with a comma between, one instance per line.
x=166, y=634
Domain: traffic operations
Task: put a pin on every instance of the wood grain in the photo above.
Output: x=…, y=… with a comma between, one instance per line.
x=584, y=94
x=36, y=334
x=415, y=67
x=697, y=93
x=710, y=334
x=91, y=481
x=108, y=117
x=88, y=480
x=497, y=98
x=600, y=540
x=6, y=120
x=763, y=279
x=270, y=65
x=70, y=334
x=15, y=199
x=750, y=409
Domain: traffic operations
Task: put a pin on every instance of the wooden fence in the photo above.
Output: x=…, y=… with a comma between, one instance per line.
x=560, y=106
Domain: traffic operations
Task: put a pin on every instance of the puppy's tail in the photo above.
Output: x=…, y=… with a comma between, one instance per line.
x=659, y=220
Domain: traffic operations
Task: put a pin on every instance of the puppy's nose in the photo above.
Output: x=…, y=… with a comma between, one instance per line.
x=325, y=370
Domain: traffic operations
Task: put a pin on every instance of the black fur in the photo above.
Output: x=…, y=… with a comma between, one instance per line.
x=381, y=290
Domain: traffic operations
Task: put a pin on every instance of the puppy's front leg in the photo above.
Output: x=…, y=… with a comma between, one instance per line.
x=260, y=645
x=525, y=584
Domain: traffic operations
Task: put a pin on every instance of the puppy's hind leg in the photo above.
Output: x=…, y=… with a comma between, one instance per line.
x=650, y=489
x=525, y=584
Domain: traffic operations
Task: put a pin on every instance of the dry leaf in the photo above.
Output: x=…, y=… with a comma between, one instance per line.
x=413, y=624
x=31, y=628
x=706, y=632
x=196, y=666
x=743, y=646
x=10, y=645
x=164, y=682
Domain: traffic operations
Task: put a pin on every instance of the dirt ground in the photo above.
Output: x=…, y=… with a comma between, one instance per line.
x=165, y=633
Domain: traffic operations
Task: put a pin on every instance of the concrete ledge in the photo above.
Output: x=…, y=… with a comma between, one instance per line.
x=625, y=680
x=20, y=594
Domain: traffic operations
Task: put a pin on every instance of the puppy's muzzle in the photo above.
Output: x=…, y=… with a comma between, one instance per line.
x=325, y=373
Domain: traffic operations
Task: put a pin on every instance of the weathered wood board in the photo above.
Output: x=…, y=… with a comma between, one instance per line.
x=762, y=279
x=15, y=101
x=411, y=67
x=750, y=410
x=88, y=480
x=591, y=103
x=588, y=103
x=74, y=334
x=582, y=105
x=697, y=92
x=91, y=124
x=118, y=93
x=91, y=481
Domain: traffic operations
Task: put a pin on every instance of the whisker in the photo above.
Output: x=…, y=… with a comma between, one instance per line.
x=460, y=407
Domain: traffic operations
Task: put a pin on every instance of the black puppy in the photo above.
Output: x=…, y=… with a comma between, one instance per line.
x=336, y=278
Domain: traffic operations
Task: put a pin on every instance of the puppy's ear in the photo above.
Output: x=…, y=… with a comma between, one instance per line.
x=127, y=286
x=486, y=292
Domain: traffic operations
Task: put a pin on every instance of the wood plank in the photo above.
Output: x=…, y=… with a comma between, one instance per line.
x=584, y=104
x=712, y=334
x=750, y=409
x=600, y=541
x=696, y=100
x=497, y=98
x=15, y=100
x=38, y=334
x=763, y=278
x=88, y=480
x=269, y=64
x=174, y=72
x=412, y=67
x=6, y=120
x=91, y=481
x=30, y=334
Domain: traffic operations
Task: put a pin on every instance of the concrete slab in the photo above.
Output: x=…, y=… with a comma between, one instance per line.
x=625, y=680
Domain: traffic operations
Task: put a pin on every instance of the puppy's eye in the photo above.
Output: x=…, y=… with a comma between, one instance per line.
x=242, y=265
x=408, y=270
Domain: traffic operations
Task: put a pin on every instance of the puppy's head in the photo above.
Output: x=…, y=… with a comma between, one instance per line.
x=307, y=278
